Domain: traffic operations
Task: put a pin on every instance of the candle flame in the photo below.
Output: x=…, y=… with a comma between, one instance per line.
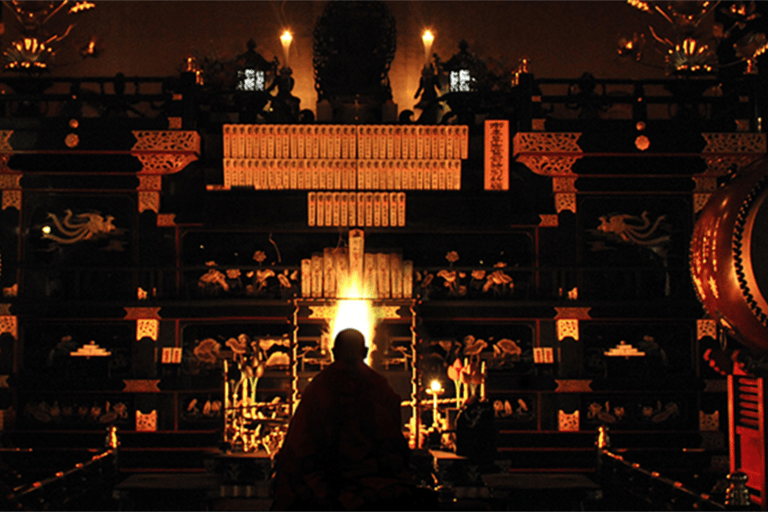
x=286, y=39
x=435, y=386
x=427, y=39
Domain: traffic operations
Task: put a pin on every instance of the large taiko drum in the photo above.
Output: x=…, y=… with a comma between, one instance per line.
x=729, y=256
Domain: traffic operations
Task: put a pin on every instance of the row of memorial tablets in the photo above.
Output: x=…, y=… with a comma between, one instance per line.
x=384, y=275
x=361, y=209
x=345, y=142
x=342, y=174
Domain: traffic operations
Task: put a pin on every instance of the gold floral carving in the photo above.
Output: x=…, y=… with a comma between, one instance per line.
x=136, y=313
x=734, y=143
x=565, y=202
x=11, y=291
x=10, y=180
x=565, y=193
x=567, y=328
x=150, y=182
x=12, y=199
x=166, y=220
x=149, y=201
x=548, y=154
x=547, y=142
x=709, y=422
x=549, y=220
x=549, y=165
x=146, y=422
x=141, y=386
x=156, y=141
x=164, y=163
x=10, y=184
x=5, y=145
x=165, y=152
x=322, y=311
x=9, y=324
x=706, y=327
x=149, y=192
x=574, y=386
x=568, y=422
x=560, y=185
x=147, y=328
x=387, y=312
x=578, y=313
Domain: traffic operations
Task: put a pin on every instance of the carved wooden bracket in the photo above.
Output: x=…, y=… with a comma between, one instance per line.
x=9, y=323
x=553, y=155
x=10, y=180
x=161, y=153
x=568, y=422
x=567, y=322
x=141, y=386
x=725, y=152
x=147, y=321
x=574, y=386
x=706, y=327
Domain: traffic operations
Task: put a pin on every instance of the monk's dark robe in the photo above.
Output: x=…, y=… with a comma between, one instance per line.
x=344, y=449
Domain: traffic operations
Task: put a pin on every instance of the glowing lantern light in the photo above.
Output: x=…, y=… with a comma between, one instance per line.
x=427, y=39
x=286, y=39
x=354, y=310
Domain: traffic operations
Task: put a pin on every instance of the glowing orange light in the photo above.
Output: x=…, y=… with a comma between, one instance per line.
x=81, y=6
x=354, y=310
x=286, y=39
x=427, y=39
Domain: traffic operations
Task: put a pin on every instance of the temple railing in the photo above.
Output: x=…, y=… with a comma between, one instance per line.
x=705, y=99
x=732, y=102
x=98, y=474
x=619, y=475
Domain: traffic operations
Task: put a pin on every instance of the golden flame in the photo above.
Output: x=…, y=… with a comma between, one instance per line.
x=427, y=39
x=354, y=310
x=286, y=39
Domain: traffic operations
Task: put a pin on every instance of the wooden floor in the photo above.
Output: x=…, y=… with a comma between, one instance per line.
x=520, y=491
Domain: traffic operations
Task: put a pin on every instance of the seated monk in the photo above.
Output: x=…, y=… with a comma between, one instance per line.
x=344, y=449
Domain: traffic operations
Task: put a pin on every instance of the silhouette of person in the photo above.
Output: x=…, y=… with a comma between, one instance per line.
x=345, y=449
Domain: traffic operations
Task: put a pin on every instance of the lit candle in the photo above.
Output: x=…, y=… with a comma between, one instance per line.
x=427, y=39
x=435, y=389
x=286, y=39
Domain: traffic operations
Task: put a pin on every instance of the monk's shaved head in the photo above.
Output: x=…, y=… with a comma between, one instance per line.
x=349, y=345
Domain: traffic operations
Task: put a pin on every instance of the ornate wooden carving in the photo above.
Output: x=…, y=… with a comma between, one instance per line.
x=165, y=152
x=568, y=422
x=141, y=386
x=147, y=328
x=706, y=327
x=574, y=386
